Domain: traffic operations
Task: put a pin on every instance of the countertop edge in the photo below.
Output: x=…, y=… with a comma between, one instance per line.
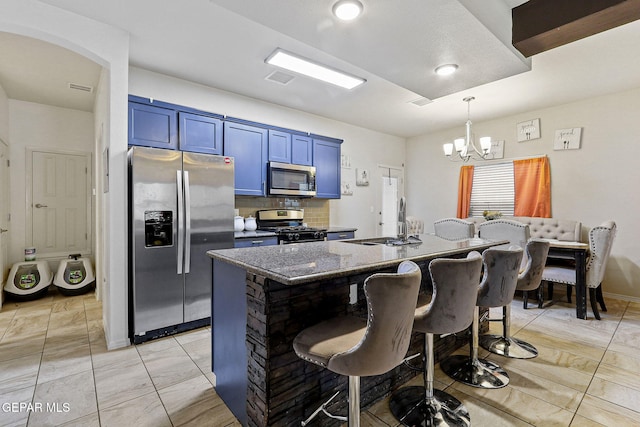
x=215, y=255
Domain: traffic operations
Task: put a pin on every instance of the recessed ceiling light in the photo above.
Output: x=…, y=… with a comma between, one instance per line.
x=347, y=10
x=297, y=64
x=446, y=70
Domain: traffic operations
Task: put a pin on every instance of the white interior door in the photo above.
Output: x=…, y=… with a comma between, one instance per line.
x=390, y=193
x=4, y=211
x=60, y=203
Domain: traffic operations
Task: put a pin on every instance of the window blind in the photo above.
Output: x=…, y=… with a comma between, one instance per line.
x=492, y=189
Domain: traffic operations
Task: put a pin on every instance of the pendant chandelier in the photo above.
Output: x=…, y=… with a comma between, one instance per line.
x=465, y=147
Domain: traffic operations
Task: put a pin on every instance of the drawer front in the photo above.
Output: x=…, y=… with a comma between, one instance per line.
x=256, y=241
x=341, y=235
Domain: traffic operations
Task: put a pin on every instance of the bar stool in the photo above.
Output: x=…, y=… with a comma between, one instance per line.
x=455, y=290
x=357, y=347
x=529, y=279
x=497, y=288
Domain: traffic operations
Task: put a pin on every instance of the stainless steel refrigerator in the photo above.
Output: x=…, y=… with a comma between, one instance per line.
x=180, y=206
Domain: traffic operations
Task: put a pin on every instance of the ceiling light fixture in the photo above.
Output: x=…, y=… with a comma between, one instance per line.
x=347, y=10
x=465, y=147
x=446, y=69
x=283, y=59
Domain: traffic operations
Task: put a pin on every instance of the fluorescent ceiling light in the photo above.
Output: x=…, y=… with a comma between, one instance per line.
x=297, y=64
x=347, y=10
x=447, y=69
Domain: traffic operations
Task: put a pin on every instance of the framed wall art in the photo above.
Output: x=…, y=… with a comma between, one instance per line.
x=567, y=139
x=528, y=130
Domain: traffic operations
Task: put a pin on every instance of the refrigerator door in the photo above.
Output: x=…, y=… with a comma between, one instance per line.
x=209, y=203
x=156, y=286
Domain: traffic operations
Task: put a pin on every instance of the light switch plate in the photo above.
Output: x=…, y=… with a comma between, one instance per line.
x=528, y=130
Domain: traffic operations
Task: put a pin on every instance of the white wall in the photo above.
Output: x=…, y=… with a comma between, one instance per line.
x=4, y=116
x=39, y=126
x=109, y=47
x=596, y=183
x=366, y=148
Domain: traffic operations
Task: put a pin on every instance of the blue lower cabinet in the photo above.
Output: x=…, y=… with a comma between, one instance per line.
x=326, y=159
x=248, y=146
x=340, y=235
x=200, y=134
x=255, y=241
x=152, y=126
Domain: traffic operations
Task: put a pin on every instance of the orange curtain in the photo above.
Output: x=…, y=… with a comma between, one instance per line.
x=532, y=182
x=464, y=191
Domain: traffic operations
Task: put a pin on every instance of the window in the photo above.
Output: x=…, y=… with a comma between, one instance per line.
x=492, y=189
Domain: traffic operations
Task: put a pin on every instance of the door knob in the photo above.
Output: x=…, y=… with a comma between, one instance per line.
x=38, y=205
x=2, y=230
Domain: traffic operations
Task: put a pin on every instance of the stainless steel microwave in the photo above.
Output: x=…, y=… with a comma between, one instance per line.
x=291, y=180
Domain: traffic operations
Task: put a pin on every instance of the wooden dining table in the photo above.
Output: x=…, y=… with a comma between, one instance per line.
x=577, y=251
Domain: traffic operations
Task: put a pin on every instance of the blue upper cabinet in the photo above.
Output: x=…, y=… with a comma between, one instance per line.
x=152, y=126
x=326, y=159
x=200, y=133
x=279, y=146
x=248, y=145
x=301, y=150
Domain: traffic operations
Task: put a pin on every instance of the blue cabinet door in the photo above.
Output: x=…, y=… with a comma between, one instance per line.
x=248, y=145
x=279, y=146
x=152, y=126
x=326, y=159
x=301, y=150
x=200, y=134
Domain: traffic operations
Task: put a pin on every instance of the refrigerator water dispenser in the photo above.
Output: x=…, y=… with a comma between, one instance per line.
x=158, y=228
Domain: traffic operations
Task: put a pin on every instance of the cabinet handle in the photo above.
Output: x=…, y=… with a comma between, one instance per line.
x=257, y=242
x=342, y=235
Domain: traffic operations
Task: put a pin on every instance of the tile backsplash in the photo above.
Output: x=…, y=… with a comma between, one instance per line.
x=316, y=211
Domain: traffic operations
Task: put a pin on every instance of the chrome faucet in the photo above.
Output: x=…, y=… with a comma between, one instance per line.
x=402, y=220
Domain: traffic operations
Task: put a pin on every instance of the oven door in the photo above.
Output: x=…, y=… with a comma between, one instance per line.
x=291, y=180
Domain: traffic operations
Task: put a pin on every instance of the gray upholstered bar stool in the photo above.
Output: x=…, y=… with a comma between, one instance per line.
x=450, y=310
x=528, y=280
x=454, y=229
x=357, y=347
x=497, y=288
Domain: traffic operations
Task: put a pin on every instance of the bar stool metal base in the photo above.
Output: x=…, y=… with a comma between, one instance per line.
x=508, y=347
x=476, y=373
x=409, y=406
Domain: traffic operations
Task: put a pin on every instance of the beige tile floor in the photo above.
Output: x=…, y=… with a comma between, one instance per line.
x=54, y=361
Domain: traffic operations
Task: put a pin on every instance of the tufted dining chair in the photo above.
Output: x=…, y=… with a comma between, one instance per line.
x=454, y=229
x=414, y=226
x=600, y=242
x=515, y=232
x=529, y=279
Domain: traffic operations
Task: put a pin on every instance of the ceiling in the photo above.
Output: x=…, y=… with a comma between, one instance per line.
x=223, y=44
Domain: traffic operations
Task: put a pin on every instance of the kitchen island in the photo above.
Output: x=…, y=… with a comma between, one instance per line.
x=264, y=296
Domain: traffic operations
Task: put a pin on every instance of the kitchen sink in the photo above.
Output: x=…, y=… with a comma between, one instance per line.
x=389, y=241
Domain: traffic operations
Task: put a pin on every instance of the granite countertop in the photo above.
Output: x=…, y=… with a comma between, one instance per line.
x=252, y=234
x=306, y=262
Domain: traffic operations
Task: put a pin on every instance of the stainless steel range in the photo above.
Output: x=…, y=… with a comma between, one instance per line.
x=288, y=224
